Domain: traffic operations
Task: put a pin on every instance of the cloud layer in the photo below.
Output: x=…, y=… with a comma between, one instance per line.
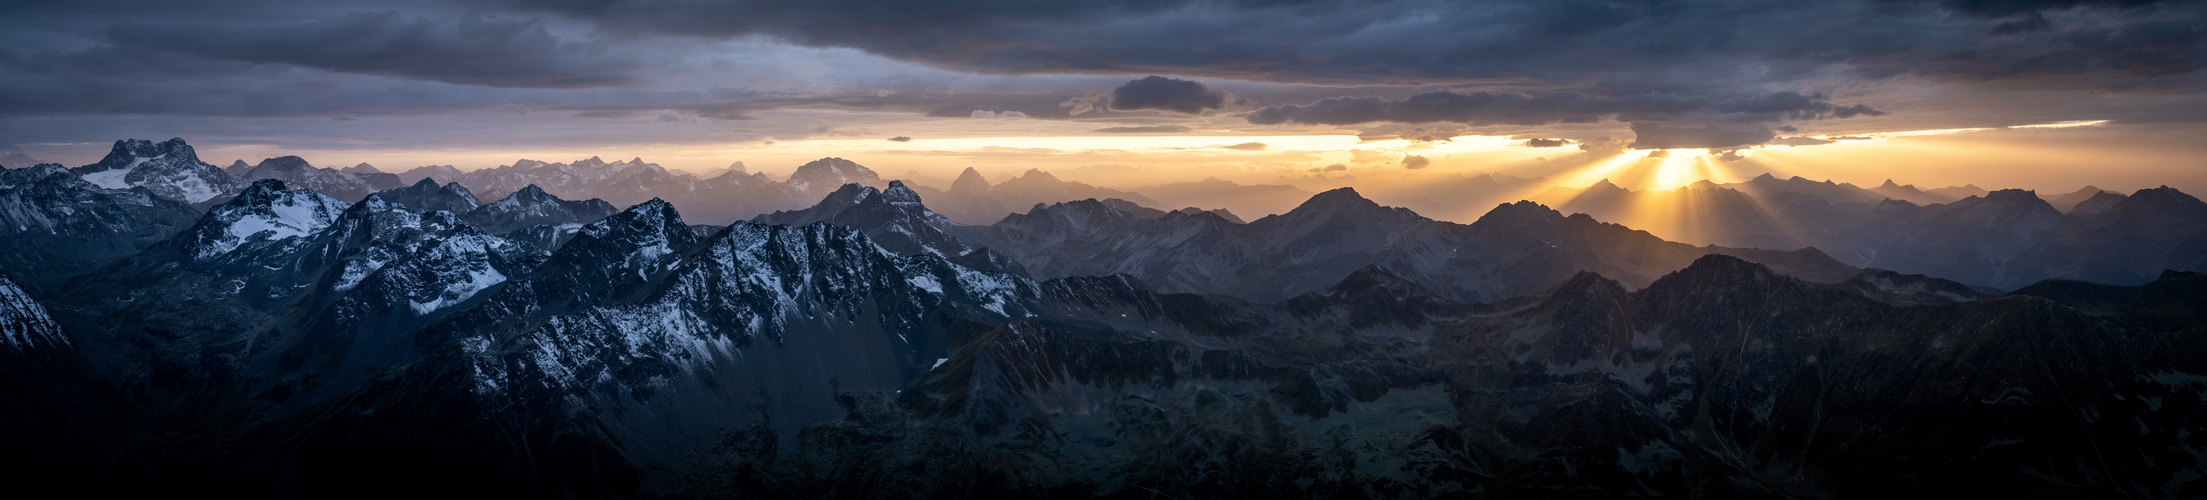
x=1510, y=108
x=1692, y=71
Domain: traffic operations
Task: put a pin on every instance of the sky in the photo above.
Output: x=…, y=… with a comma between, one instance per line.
x=2048, y=95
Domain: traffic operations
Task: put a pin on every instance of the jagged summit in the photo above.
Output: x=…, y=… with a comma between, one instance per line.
x=833, y=172
x=2013, y=196
x=899, y=194
x=267, y=212
x=1521, y=210
x=1038, y=176
x=170, y=169
x=349, y=186
x=126, y=152
x=19, y=176
x=2164, y=197
x=894, y=218
x=427, y=195
x=281, y=163
x=1336, y=200
x=1718, y=274
x=969, y=181
x=259, y=192
x=529, y=194
x=531, y=206
x=658, y=210
x=2098, y=203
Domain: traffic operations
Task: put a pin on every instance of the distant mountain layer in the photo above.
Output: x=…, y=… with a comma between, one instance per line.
x=1514, y=249
x=350, y=185
x=972, y=200
x=2004, y=239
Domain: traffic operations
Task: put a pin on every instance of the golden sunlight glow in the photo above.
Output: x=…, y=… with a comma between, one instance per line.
x=2042, y=156
x=2078, y=123
x=1673, y=171
x=1595, y=171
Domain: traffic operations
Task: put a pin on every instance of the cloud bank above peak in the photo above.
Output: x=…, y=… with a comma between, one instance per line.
x=1420, y=70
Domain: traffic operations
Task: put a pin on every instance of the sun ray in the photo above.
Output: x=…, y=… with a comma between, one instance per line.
x=1594, y=171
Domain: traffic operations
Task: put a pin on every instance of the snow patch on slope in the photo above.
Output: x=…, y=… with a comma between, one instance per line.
x=292, y=214
x=23, y=322
x=460, y=268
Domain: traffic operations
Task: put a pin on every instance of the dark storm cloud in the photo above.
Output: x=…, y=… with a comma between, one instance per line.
x=1157, y=92
x=1544, y=143
x=1246, y=146
x=901, y=139
x=1643, y=45
x=1151, y=129
x=1509, y=108
x=471, y=49
x=1650, y=135
x=1680, y=63
x=1414, y=162
x=2006, y=8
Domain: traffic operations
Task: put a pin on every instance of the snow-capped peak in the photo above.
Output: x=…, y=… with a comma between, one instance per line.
x=264, y=212
x=171, y=169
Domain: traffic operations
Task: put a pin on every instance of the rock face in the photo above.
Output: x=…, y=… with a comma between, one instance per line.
x=56, y=226
x=428, y=196
x=532, y=207
x=350, y=185
x=24, y=325
x=894, y=219
x=170, y=169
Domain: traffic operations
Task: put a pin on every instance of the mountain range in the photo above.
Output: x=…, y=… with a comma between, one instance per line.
x=280, y=340
x=1980, y=239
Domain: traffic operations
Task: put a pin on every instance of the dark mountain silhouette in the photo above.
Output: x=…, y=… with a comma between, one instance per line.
x=2068, y=202
x=1252, y=200
x=972, y=200
x=1514, y=249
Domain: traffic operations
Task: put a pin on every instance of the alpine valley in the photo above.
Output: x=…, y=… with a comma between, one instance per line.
x=619, y=329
